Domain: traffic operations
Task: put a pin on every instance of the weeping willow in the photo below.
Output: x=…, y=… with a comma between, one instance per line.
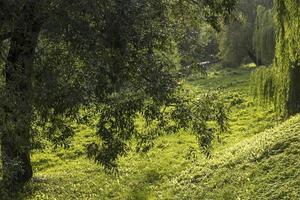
x=263, y=85
x=264, y=35
x=280, y=84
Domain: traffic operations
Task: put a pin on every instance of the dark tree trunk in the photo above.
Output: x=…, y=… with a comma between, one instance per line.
x=254, y=58
x=15, y=140
x=293, y=103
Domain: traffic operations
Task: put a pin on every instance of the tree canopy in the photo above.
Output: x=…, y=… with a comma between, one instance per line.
x=112, y=61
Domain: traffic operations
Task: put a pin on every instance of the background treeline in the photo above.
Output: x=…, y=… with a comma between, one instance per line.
x=249, y=38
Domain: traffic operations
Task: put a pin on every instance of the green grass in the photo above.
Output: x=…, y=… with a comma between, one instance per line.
x=249, y=162
x=265, y=166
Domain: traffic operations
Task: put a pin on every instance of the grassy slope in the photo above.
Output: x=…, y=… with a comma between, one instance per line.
x=245, y=165
x=265, y=166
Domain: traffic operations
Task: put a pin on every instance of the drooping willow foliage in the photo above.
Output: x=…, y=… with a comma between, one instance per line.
x=264, y=35
x=235, y=40
x=280, y=84
x=262, y=84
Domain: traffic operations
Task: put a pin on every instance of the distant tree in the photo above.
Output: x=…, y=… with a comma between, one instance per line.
x=199, y=44
x=117, y=58
x=264, y=35
x=235, y=40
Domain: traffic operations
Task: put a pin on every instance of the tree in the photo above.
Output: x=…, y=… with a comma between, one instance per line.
x=235, y=40
x=264, y=35
x=118, y=58
x=282, y=87
x=15, y=137
x=198, y=45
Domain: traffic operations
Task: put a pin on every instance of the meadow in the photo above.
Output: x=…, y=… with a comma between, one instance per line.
x=259, y=158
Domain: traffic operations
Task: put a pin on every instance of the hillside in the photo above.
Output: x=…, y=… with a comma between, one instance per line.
x=258, y=159
x=265, y=166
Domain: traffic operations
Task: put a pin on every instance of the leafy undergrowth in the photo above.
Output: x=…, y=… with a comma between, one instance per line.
x=248, y=162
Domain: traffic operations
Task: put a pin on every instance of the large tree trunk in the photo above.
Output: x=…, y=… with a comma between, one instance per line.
x=15, y=139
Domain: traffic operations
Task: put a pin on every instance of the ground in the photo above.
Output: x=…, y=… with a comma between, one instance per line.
x=259, y=158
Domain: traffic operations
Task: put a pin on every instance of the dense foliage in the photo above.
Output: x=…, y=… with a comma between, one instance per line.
x=264, y=35
x=235, y=40
x=280, y=84
x=119, y=60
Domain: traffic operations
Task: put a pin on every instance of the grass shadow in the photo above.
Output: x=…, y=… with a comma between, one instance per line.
x=19, y=192
x=142, y=190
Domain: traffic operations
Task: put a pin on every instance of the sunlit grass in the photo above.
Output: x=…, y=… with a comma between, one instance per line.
x=175, y=168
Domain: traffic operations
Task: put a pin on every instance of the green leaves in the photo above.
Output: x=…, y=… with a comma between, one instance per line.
x=235, y=41
x=205, y=116
x=264, y=35
x=280, y=83
x=138, y=121
x=119, y=57
x=130, y=64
